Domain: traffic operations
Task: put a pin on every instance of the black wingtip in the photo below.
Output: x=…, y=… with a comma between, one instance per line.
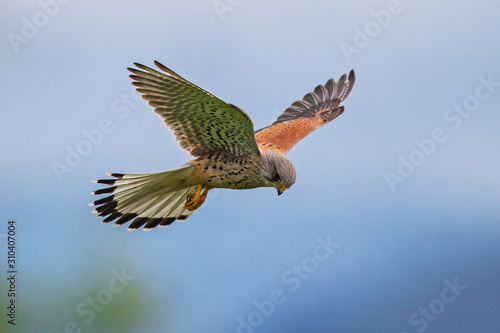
x=135, y=70
x=139, y=65
x=352, y=77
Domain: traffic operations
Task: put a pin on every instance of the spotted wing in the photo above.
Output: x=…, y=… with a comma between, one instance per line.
x=201, y=122
x=314, y=110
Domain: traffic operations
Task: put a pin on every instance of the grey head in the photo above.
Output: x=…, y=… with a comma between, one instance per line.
x=277, y=171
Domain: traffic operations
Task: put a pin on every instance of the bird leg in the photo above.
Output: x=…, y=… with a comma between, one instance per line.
x=195, y=200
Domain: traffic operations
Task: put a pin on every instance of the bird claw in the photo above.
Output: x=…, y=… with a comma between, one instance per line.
x=192, y=202
x=195, y=200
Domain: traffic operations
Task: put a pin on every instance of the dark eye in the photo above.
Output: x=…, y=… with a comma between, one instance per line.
x=276, y=177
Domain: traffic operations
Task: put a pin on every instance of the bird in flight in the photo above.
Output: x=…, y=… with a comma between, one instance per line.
x=220, y=137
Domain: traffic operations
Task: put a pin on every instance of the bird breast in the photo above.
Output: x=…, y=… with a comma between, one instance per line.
x=223, y=171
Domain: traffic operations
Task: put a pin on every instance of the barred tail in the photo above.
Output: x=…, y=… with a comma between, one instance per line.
x=148, y=199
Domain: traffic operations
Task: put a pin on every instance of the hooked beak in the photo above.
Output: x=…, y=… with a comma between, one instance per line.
x=280, y=189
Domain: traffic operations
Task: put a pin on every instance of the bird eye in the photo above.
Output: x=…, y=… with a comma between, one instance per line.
x=276, y=177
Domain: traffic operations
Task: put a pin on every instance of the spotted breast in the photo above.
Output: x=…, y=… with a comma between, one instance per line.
x=222, y=170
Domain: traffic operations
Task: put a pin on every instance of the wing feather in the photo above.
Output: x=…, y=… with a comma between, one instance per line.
x=200, y=122
x=314, y=110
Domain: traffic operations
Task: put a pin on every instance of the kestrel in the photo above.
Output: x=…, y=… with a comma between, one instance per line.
x=226, y=151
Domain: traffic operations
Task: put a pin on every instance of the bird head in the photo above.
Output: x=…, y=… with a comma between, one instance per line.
x=277, y=171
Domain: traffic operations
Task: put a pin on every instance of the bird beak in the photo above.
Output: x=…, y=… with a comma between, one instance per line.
x=281, y=189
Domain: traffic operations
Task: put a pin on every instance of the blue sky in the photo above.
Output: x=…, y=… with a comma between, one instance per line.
x=405, y=182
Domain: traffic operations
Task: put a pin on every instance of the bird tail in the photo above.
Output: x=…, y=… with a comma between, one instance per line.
x=149, y=199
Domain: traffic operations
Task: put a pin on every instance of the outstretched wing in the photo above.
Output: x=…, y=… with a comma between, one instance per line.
x=201, y=122
x=314, y=110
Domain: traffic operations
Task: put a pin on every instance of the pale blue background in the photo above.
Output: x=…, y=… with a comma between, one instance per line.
x=396, y=247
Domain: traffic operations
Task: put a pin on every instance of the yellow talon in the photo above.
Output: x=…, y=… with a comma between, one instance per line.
x=195, y=200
